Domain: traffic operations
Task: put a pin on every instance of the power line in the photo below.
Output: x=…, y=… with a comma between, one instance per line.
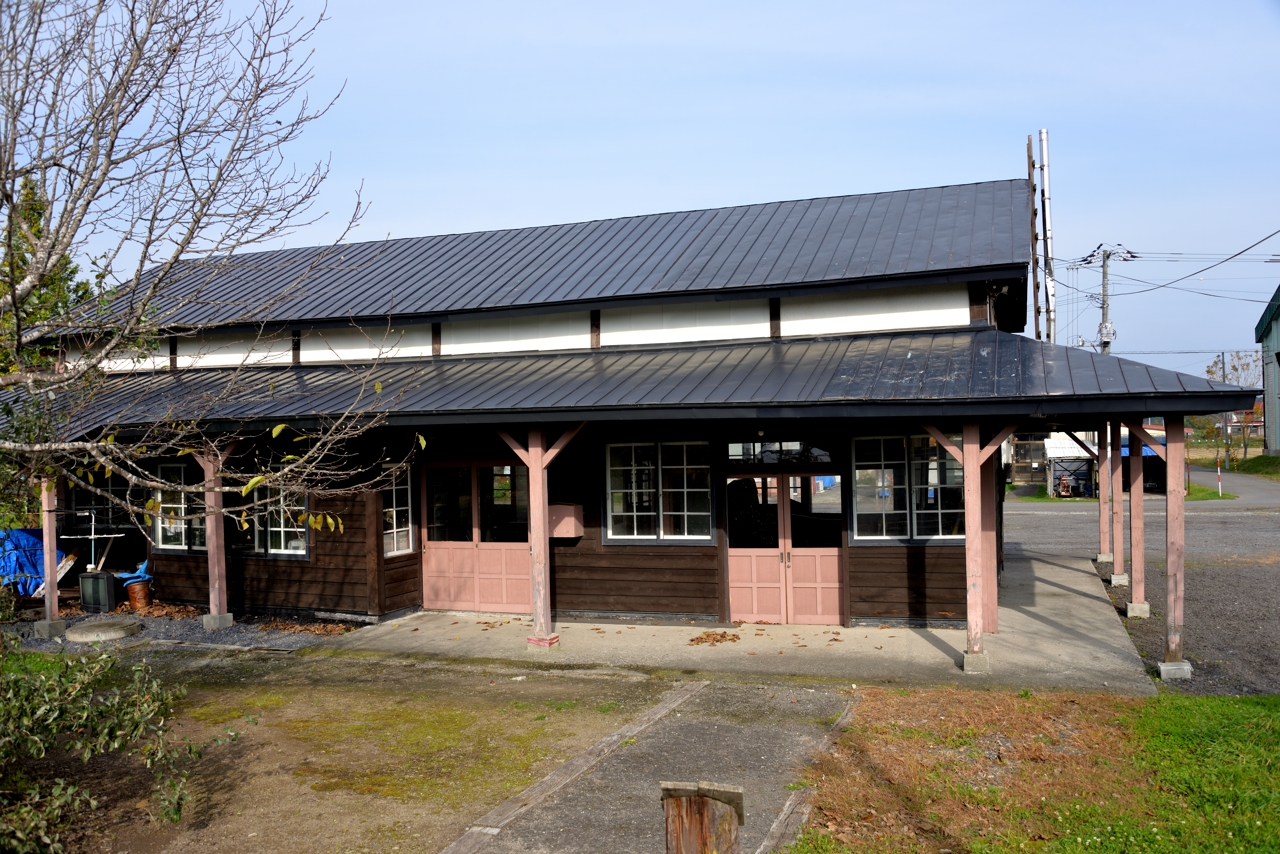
x=1211, y=266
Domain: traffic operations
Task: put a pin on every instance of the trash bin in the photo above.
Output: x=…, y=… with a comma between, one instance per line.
x=139, y=594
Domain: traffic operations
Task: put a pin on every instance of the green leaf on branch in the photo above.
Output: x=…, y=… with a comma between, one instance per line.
x=277, y=430
x=377, y=388
x=252, y=484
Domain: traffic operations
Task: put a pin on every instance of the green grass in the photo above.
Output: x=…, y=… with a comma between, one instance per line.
x=1196, y=492
x=29, y=663
x=1268, y=467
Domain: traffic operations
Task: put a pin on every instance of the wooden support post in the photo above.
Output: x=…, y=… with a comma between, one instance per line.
x=975, y=660
x=373, y=603
x=702, y=817
x=540, y=543
x=49, y=526
x=216, y=543
x=1137, y=606
x=990, y=581
x=1104, y=493
x=1117, y=507
x=1174, y=666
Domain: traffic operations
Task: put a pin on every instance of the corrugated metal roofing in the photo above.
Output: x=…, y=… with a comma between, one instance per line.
x=766, y=246
x=944, y=373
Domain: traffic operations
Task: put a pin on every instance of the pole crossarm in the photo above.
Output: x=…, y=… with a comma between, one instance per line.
x=992, y=446
x=547, y=455
x=517, y=447
x=949, y=446
x=1148, y=440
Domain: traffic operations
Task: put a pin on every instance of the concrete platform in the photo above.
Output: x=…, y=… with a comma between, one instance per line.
x=1058, y=630
x=94, y=631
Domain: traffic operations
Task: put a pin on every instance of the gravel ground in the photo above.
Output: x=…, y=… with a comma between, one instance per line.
x=246, y=632
x=1231, y=618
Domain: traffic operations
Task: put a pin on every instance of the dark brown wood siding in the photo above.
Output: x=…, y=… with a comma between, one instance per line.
x=402, y=581
x=918, y=582
x=333, y=578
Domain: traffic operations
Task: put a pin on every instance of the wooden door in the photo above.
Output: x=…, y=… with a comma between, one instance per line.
x=757, y=577
x=813, y=527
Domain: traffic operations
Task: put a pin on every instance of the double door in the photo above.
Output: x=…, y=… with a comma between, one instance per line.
x=785, y=534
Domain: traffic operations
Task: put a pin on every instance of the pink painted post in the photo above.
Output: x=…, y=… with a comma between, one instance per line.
x=1137, y=536
x=49, y=525
x=1174, y=548
x=990, y=580
x=1104, y=494
x=540, y=543
x=216, y=544
x=1117, y=503
x=975, y=660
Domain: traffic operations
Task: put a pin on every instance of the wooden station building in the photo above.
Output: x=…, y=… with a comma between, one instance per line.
x=787, y=412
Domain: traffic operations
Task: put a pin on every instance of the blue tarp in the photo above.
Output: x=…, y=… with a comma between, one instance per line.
x=1146, y=452
x=22, y=558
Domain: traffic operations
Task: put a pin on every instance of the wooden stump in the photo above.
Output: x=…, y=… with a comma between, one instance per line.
x=702, y=818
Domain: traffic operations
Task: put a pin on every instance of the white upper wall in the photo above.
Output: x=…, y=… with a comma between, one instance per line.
x=928, y=307
x=676, y=324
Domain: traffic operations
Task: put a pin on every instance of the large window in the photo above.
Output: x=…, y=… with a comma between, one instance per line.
x=173, y=531
x=496, y=498
x=906, y=488
x=286, y=523
x=659, y=491
x=397, y=516
x=504, y=503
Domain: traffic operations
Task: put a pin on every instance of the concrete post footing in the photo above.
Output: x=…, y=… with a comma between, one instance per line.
x=50, y=629
x=1174, y=670
x=213, y=622
x=1118, y=580
x=536, y=643
x=977, y=662
x=1138, y=610
x=1103, y=557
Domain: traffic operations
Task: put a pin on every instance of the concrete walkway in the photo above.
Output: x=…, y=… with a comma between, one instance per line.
x=1058, y=630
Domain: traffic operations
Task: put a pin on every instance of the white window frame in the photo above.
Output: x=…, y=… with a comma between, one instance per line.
x=275, y=502
x=905, y=486
x=684, y=491
x=944, y=461
x=187, y=504
x=657, y=490
x=400, y=482
x=911, y=486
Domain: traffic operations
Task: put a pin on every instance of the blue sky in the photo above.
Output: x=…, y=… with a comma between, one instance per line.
x=1163, y=122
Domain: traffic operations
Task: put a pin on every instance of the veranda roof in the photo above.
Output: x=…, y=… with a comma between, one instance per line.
x=965, y=373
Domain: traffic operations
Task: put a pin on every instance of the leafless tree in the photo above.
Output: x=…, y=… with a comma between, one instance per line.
x=1242, y=368
x=144, y=142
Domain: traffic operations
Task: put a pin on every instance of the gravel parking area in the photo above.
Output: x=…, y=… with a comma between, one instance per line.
x=249, y=631
x=1231, y=631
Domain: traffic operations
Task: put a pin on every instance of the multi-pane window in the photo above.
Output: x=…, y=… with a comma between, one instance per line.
x=880, y=487
x=171, y=527
x=686, y=490
x=449, y=505
x=906, y=488
x=937, y=490
x=286, y=526
x=397, y=516
x=673, y=476
x=172, y=531
x=503, y=493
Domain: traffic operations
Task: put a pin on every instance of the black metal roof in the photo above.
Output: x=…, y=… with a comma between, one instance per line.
x=979, y=230
x=941, y=374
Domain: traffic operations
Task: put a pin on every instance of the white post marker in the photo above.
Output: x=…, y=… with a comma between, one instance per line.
x=1219, y=480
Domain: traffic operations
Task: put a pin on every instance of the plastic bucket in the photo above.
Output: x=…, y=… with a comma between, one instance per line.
x=139, y=594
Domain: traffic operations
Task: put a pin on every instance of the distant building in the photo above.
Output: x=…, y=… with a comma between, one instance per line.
x=1267, y=333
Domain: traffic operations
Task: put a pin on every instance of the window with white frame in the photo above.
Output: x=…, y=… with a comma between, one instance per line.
x=285, y=530
x=906, y=488
x=659, y=491
x=172, y=530
x=397, y=516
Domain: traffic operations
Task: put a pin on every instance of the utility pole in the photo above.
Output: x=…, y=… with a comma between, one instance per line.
x=1050, y=286
x=1226, y=435
x=1035, y=262
x=1106, y=332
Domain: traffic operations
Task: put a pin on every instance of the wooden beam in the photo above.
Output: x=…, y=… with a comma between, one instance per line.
x=994, y=445
x=1093, y=455
x=1104, y=493
x=1148, y=440
x=565, y=438
x=373, y=552
x=1117, y=501
x=1137, y=526
x=949, y=446
x=990, y=570
x=973, y=551
x=517, y=447
x=215, y=539
x=1175, y=543
x=49, y=527
x=540, y=543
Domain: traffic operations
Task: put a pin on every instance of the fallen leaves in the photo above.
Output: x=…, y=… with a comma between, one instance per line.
x=711, y=638
x=323, y=630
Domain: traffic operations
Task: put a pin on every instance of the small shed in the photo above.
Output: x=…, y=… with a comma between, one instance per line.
x=1064, y=457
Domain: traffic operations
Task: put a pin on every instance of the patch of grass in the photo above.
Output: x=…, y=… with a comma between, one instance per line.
x=221, y=710
x=1050, y=773
x=606, y=708
x=31, y=663
x=562, y=705
x=1263, y=466
x=1196, y=492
